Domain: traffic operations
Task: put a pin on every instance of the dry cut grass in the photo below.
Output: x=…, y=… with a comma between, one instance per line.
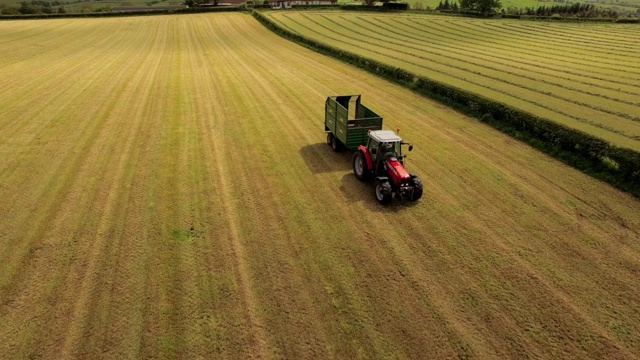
x=167, y=193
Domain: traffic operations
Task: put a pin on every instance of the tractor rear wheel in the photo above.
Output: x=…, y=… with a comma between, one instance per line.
x=360, y=169
x=383, y=192
x=417, y=188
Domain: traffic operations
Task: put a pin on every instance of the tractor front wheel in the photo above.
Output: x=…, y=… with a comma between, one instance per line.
x=417, y=188
x=383, y=192
x=360, y=169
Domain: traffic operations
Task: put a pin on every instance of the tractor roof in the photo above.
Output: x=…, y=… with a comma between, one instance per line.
x=384, y=136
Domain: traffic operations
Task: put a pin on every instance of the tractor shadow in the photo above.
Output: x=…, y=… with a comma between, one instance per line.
x=320, y=158
x=355, y=191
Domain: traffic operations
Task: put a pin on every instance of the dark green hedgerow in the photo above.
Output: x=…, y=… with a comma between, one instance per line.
x=617, y=166
x=316, y=7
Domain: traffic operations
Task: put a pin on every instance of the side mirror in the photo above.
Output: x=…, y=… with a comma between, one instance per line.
x=410, y=147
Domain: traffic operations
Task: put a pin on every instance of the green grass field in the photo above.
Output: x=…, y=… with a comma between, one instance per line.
x=167, y=192
x=582, y=75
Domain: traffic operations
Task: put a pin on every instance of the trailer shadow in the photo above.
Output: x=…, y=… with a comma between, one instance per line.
x=356, y=190
x=320, y=158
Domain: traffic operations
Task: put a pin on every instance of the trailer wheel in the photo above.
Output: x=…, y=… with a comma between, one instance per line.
x=383, y=192
x=417, y=188
x=335, y=144
x=360, y=169
x=329, y=138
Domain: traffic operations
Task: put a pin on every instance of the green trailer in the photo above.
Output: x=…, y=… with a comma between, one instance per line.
x=347, y=122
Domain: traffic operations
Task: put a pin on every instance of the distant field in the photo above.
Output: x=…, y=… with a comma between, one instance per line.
x=166, y=192
x=623, y=6
x=505, y=3
x=626, y=5
x=586, y=76
x=88, y=6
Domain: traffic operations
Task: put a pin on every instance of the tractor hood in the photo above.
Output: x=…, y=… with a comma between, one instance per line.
x=397, y=170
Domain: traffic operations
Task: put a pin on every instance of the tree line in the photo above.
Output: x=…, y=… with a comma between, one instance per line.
x=446, y=5
x=576, y=10
x=572, y=10
x=469, y=6
x=35, y=7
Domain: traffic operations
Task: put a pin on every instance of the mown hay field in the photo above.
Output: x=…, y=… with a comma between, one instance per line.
x=583, y=75
x=166, y=192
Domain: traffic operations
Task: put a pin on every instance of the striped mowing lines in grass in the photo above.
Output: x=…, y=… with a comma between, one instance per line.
x=582, y=75
x=168, y=193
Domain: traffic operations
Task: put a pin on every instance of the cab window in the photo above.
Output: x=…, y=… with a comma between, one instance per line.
x=373, y=147
x=398, y=149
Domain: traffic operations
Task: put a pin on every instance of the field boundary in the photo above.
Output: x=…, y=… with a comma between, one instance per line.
x=618, y=166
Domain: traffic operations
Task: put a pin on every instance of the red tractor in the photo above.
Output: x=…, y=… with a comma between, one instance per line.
x=349, y=124
x=381, y=160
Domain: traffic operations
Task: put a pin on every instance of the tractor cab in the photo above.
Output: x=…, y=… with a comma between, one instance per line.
x=383, y=144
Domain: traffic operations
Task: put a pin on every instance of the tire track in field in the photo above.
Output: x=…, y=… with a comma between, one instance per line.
x=74, y=188
x=120, y=282
x=186, y=181
x=37, y=136
x=244, y=280
x=194, y=128
x=32, y=35
x=218, y=151
x=60, y=225
x=42, y=79
x=32, y=129
x=59, y=183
